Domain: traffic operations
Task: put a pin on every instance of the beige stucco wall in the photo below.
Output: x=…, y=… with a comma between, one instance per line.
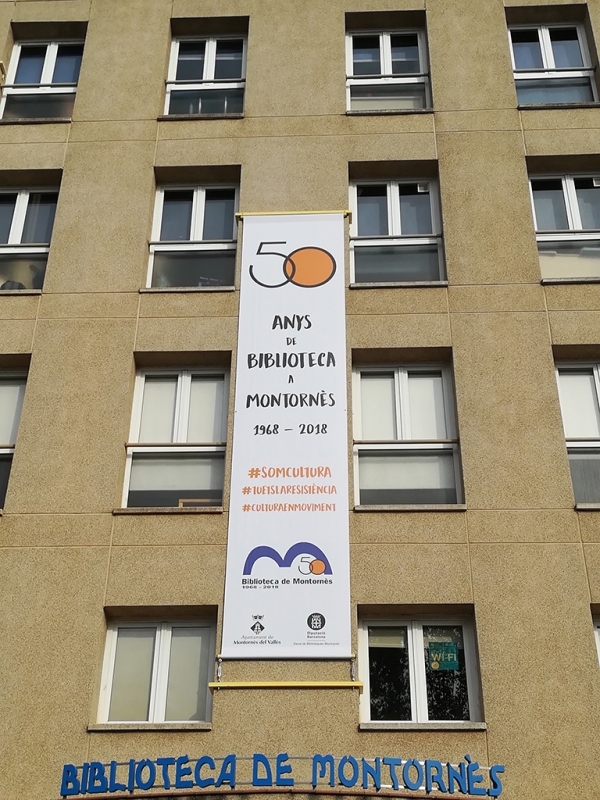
x=520, y=556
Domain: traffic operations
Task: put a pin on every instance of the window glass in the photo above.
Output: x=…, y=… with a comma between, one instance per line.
x=445, y=671
x=188, y=674
x=164, y=480
x=588, y=198
x=387, y=97
x=405, y=54
x=366, y=57
x=194, y=268
x=7, y=210
x=387, y=264
x=130, y=695
x=39, y=106
x=228, y=63
x=426, y=401
x=31, y=64
x=12, y=392
x=158, y=410
x=415, y=210
x=39, y=219
x=406, y=477
x=378, y=406
x=565, y=47
x=177, y=216
x=526, y=49
x=190, y=61
x=389, y=677
x=579, y=404
x=5, y=464
x=372, y=211
x=558, y=90
x=68, y=63
x=218, y=214
x=207, y=410
x=585, y=474
x=550, y=209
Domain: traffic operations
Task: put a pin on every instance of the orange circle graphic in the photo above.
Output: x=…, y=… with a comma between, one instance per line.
x=309, y=266
x=317, y=567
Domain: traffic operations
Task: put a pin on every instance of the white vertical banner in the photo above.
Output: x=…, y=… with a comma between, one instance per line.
x=287, y=588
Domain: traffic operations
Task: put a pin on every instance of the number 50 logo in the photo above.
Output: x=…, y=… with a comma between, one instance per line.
x=307, y=267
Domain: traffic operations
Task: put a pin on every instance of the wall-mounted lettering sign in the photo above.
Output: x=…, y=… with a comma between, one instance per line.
x=287, y=590
x=345, y=772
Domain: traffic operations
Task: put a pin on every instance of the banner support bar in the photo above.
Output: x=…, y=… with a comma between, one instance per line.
x=241, y=214
x=285, y=685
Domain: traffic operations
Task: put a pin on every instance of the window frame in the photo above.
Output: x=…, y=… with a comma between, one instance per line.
x=402, y=421
x=575, y=445
x=575, y=230
x=45, y=86
x=208, y=81
x=596, y=624
x=182, y=398
x=549, y=71
x=417, y=675
x=387, y=77
x=6, y=448
x=160, y=669
x=14, y=246
x=395, y=236
x=156, y=245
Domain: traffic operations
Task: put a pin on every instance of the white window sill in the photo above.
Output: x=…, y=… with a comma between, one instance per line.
x=550, y=281
x=399, y=285
x=419, y=508
x=21, y=291
x=168, y=510
x=422, y=726
x=125, y=727
x=587, y=506
x=185, y=289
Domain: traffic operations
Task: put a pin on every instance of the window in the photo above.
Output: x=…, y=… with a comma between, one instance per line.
x=387, y=71
x=597, y=635
x=206, y=77
x=41, y=81
x=12, y=391
x=396, y=233
x=405, y=446
x=26, y=221
x=552, y=65
x=566, y=210
x=157, y=672
x=193, y=238
x=418, y=671
x=578, y=391
x=178, y=433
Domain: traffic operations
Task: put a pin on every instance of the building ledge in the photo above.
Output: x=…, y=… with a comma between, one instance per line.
x=184, y=117
x=551, y=281
x=36, y=121
x=419, y=508
x=587, y=506
x=185, y=289
x=399, y=285
x=126, y=727
x=168, y=510
x=422, y=726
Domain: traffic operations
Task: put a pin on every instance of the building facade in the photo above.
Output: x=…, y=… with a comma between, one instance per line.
x=460, y=141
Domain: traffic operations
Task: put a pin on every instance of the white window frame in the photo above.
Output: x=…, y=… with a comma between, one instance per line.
x=395, y=236
x=575, y=231
x=196, y=242
x=160, y=669
x=576, y=366
x=210, y=56
x=404, y=443
x=385, y=54
x=6, y=448
x=549, y=70
x=418, y=686
x=14, y=247
x=45, y=86
x=179, y=443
